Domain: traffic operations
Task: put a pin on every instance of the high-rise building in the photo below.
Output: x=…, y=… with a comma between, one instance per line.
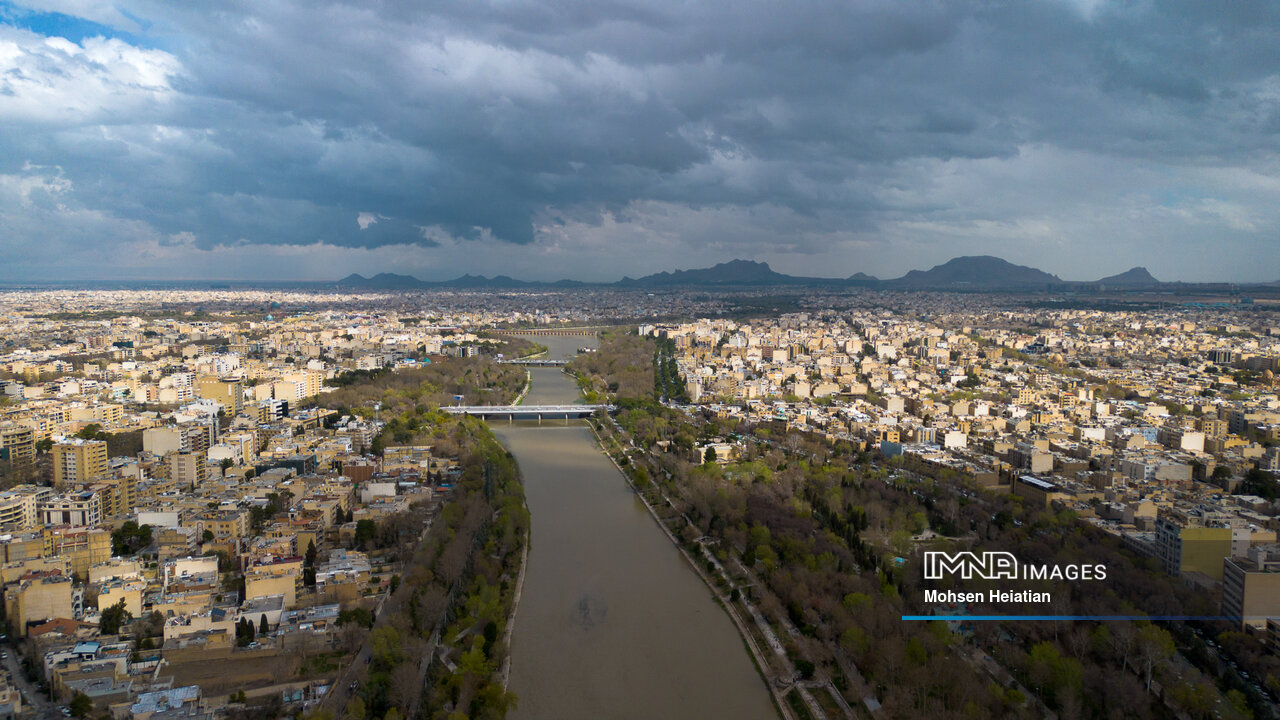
x=1251, y=587
x=37, y=598
x=77, y=461
x=19, y=507
x=1192, y=542
x=187, y=469
x=228, y=392
x=17, y=445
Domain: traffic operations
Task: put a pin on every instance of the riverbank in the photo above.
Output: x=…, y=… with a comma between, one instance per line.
x=515, y=606
x=528, y=382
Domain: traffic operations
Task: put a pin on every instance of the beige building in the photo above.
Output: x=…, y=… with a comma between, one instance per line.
x=161, y=441
x=187, y=469
x=81, y=547
x=281, y=576
x=17, y=445
x=118, y=494
x=1191, y=542
x=77, y=461
x=130, y=591
x=225, y=524
x=38, y=599
x=1251, y=586
x=228, y=392
x=83, y=508
x=19, y=507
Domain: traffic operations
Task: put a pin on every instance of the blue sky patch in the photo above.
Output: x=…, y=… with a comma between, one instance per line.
x=54, y=24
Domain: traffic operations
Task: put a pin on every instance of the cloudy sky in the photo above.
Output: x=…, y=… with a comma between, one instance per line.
x=309, y=139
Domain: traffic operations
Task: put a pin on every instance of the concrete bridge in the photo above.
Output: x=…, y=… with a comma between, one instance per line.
x=535, y=362
x=574, y=332
x=527, y=412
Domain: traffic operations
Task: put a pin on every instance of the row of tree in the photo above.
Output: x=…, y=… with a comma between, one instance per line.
x=828, y=530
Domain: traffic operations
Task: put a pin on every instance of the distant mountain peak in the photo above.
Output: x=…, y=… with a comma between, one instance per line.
x=390, y=281
x=981, y=273
x=732, y=272
x=1132, y=277
x=975, y=271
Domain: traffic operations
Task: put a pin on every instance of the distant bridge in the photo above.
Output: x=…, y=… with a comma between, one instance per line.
x=527, y=412
x=535, y=362
x=576, y=332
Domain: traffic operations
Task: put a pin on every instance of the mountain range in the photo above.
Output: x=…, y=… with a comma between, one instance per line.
x=974, y=272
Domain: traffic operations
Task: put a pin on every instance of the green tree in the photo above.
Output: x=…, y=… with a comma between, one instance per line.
x=365, y=531
x=130, y=538
x=384, y=642
x=1221, y=474
x=81, y=705
x=358, y=616
x=709, y=455
x=355, y=709
x=1155, y=645
x=263, y=627
x=114, y=617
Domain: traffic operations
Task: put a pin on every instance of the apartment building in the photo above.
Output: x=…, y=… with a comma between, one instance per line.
x=77, y=461
x=77, y=509
x=1251, y=587
x=228, y=392
x=19, y=507
x=17, y=445
x=1189, y=542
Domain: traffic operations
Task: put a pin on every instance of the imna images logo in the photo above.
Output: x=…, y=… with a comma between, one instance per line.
x=1002, y=565
x=967, y=565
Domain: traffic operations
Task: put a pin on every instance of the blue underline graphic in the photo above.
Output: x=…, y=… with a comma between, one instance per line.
x=1041, y=618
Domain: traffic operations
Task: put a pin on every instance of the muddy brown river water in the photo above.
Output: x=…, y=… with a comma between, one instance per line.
x=612, y=622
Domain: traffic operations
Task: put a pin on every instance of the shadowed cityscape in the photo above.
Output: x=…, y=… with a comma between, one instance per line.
x=634, y=359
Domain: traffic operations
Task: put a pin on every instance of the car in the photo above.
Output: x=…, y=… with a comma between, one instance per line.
x=66, y=712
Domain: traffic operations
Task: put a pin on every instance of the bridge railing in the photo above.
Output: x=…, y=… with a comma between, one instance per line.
x=525, y=409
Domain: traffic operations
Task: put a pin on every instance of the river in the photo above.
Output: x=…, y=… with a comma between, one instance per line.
x=612, y=622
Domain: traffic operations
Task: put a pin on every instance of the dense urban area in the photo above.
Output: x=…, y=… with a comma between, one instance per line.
x=253, y=503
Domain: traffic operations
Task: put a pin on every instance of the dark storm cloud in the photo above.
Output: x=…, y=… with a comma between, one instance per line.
x=284, y=122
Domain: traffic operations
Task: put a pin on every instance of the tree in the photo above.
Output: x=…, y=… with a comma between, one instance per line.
x=130, y=538
x=263, y=627
x=81, y=705
x=356, y=616
x=1259, y=482
x=355, y=709
x=1221, y=474
x=1155, y=645
x=309, y=560
x=710, y=455
x=113, y=617
x=384, y=643
x=365, y=531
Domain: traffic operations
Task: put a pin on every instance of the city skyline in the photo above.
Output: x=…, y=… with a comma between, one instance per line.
x=302, y=142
